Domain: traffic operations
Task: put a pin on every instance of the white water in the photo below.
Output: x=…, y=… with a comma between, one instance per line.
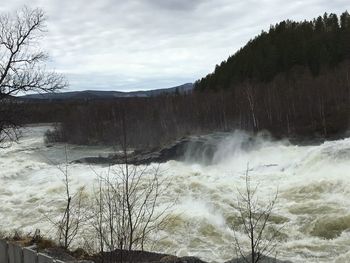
x=313, y=183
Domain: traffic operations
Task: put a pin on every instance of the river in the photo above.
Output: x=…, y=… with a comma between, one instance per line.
x=313, y=184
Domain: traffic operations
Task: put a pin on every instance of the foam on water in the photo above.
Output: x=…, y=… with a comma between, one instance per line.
x=313, y=183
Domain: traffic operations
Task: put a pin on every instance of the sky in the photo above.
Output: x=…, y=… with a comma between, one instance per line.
x=149, y=44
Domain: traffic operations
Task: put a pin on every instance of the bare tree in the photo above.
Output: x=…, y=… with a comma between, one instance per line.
x=125, y=212
x=254, y=219
x=72, y=217
x=69, y=223
x=22, y=64
x=251, y=100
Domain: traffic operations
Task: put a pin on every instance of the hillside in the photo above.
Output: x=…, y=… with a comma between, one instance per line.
x=292, y=80
x=314, y=45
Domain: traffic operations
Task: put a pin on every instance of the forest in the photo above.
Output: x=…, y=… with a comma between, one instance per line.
x=292, y=81
x=321, y=43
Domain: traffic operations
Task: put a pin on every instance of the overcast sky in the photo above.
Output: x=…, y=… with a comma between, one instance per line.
x=149, y=44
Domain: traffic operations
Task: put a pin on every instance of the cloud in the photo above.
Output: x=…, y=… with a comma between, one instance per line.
x=146, y=44
x=175, y=5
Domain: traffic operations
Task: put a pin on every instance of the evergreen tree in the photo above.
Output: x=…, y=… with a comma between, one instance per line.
x=321, y=43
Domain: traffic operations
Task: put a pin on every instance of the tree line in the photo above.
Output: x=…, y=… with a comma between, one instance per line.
x=293, y=105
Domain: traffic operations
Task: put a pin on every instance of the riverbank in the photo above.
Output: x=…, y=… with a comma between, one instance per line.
x=36, y=248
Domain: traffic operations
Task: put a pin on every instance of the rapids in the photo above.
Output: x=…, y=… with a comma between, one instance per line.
x=313, y=183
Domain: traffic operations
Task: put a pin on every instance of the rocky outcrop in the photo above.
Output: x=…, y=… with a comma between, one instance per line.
x=196, y=148
x=173, y=151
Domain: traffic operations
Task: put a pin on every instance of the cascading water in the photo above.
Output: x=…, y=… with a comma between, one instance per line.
x=313, y=184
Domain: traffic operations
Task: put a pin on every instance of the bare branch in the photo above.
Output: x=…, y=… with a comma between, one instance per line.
x=22, y=67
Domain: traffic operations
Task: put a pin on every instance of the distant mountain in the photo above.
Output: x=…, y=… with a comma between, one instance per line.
x=97, y=94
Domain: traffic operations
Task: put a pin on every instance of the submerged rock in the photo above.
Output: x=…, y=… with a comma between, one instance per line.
x=195, y=148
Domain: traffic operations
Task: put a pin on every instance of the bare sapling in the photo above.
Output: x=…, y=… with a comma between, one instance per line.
x=254, y=221
x=70, y=221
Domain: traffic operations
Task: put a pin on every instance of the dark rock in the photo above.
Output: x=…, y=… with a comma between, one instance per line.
x=128, y=256
x=190, y=260
x=174, y=151
x=95, y=160
x=197, y=148
x=263, y=260
x=168, y=259
x=142, y=257
x=173, y=259
x=80, y=253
